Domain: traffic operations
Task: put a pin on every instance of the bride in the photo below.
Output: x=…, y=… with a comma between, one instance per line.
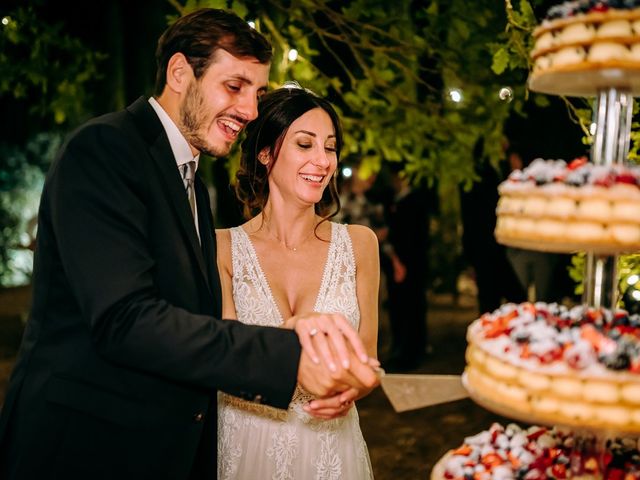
x=286, y=261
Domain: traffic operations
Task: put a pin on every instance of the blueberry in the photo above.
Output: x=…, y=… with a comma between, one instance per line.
x=614, y=334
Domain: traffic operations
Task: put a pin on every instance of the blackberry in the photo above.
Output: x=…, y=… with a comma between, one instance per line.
x=621, y=320
x=616, y=361
x=520, y=337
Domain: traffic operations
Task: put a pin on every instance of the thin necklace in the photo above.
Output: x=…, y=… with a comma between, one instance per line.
x=292, y=249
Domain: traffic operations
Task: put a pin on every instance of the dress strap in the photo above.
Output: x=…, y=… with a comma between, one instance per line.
x=338, y=288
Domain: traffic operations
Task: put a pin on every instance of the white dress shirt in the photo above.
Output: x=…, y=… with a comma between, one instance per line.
x=179, y=145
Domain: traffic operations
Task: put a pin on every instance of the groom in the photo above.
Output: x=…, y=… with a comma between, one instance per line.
x=123, y=353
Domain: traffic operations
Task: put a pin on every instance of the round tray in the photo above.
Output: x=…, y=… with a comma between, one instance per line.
x=539, y=419
x=566, y=247
x=587, y=79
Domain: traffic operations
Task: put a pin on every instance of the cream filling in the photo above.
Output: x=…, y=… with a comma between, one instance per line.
x=577, y=32
x=626, y=234
x=568, y=56
x=603, y=51
x=614, y=28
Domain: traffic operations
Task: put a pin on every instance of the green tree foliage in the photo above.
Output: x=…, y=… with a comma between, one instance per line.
x=389, y=66
x=45, y=78
x=45, y=69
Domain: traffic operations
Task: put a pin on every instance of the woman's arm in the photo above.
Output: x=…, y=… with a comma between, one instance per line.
x=225, y=267
x=367, y=259
x=365, y=250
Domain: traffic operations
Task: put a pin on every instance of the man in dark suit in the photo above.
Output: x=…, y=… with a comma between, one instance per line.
x=123, y=353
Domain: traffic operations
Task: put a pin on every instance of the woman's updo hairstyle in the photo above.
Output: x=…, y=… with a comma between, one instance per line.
x=277, y=110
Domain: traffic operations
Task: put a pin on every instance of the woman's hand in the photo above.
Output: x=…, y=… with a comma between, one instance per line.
x=340, y=404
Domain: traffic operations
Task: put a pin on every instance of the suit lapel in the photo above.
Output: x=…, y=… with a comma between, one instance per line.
x=160, y=150
x=208, y=238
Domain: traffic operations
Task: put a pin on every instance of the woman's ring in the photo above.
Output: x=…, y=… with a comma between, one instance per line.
x=313, y=332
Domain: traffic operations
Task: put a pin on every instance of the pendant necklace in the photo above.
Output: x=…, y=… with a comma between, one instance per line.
x=291, y=249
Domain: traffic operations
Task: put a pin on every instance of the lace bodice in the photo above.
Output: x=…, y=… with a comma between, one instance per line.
x=290, y=444
x=254, y=301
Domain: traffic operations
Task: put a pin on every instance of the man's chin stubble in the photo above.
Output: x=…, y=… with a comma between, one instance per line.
x=208, y=149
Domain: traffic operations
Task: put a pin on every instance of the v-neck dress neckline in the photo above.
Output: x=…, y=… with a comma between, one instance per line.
x=266, y=286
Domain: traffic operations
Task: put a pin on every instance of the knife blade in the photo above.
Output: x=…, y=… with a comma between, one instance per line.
x=410, y=392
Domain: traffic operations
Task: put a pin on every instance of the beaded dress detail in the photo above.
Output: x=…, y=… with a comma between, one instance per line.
x=258, y=441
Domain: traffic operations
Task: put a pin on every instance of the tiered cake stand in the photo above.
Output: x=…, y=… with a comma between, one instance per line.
x=613, y=89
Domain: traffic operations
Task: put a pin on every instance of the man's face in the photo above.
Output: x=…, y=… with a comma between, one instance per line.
x=218, y=105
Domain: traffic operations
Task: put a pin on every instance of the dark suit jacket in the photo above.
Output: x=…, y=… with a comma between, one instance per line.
x=123, y=353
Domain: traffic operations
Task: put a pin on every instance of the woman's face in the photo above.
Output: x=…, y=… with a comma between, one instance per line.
x=307, y=159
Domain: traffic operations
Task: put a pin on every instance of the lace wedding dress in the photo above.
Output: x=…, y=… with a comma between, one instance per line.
x=260, y=442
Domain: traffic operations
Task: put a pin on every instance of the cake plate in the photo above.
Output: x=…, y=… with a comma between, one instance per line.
x=567, y=247
x=588, y=79
x=588, y=428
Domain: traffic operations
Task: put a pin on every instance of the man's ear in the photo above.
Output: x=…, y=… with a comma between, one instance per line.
x=179, y=73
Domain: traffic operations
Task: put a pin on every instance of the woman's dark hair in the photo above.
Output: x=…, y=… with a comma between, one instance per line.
x=277, y=110
x=200, y=34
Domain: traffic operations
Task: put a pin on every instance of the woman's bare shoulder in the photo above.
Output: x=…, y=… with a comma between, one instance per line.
x=363, y=238
x=223, y=236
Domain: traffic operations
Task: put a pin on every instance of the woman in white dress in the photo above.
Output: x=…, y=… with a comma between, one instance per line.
x=288, y=259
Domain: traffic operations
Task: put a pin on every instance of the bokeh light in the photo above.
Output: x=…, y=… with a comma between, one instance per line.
x=505, y=94
x=455, y=95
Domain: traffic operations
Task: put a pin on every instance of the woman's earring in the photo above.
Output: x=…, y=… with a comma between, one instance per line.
x=263, y=159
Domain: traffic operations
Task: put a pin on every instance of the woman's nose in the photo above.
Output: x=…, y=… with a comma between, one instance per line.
x=321, y=159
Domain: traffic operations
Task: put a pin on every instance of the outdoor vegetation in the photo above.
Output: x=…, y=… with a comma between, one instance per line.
x=415, y=82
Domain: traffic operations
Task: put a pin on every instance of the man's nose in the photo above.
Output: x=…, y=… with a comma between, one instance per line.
x=248, y=106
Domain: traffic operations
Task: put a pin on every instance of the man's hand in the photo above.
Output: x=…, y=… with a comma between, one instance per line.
x=358, y=380
x=328, y=337
x=333, y=361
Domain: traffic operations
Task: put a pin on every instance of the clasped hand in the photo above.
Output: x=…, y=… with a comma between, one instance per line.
x=334, y=365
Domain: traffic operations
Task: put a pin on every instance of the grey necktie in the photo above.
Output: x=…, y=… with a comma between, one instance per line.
x=188, y=174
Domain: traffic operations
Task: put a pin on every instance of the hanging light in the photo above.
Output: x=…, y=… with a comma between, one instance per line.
x=292, y=55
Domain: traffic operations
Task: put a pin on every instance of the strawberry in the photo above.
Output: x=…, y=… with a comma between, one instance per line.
x=615, y=474
x=577, y=163
x=464, y=450
x=626, y=178
x=537, y=434
x=491, y=460
x=559, y=470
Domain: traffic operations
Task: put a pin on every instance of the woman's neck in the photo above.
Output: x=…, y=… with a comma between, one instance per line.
x=291, y=226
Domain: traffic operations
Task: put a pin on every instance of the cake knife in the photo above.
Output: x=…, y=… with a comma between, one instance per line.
x=410, y=392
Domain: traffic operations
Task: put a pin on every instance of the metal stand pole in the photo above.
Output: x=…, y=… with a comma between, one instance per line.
x=612, y=115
